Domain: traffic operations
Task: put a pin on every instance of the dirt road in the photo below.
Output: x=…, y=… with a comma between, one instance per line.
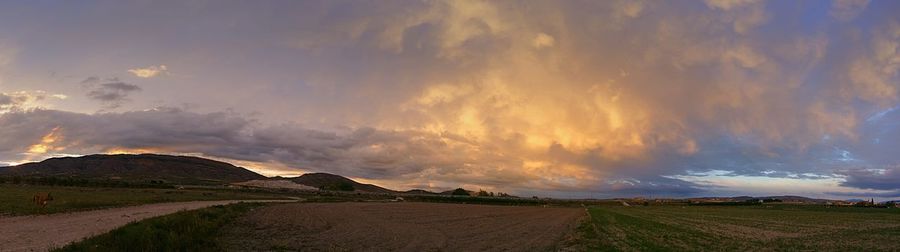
x=400, y=227
x=42, y=232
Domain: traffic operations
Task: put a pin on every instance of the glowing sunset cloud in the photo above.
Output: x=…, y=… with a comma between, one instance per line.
x=149, y=72
x=557, y=98
x=46, y=143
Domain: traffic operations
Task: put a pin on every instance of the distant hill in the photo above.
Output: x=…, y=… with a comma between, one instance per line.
x=333, y=182
x=784, y=198
x=179, y=169
x=420, y=191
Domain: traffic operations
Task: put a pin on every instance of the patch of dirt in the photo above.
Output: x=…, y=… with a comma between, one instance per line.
x=44, y=232
x=401, y=227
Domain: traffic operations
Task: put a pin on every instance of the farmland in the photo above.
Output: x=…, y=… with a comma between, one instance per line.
x=16, y=199
x=355, y=226
x=727, y=228
x=342, y=223
x=354, y=221
x=183, y=231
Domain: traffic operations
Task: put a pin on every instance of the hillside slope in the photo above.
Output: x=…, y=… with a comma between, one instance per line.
x=333, y=182
x=181, y=169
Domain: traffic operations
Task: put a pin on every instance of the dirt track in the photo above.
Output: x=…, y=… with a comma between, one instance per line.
x=42, y=232
x=400, y=227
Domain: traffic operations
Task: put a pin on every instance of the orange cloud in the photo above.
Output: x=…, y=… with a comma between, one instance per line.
x=47, y=143
x=120, y=150
x=149, y=72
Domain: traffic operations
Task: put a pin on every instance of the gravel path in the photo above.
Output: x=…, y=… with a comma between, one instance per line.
x=43, y=232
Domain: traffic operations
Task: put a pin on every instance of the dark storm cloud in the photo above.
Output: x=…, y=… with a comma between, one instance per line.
x=363, y=152
x=654, y=186
x=889, y=194
x=111, y=94
x=91, y=80
x=878, y=179
x=407, y=154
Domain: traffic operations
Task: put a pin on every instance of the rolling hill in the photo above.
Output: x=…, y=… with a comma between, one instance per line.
x=333, y=182
x=179, y=169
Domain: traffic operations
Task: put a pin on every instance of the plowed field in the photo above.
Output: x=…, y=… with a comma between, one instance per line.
x=401, y=227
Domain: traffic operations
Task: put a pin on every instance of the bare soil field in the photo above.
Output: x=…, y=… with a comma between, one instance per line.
x=43, y=232
x=401, y=227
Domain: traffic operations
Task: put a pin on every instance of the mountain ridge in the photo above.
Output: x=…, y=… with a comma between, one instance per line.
x=328, y=181
x=135, y=167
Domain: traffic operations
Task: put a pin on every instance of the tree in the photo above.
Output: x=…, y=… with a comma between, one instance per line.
x=460, y=191
x=340, y=186
x=344, y=186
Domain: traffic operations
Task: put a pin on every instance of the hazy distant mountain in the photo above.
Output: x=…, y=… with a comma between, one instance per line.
x=179, y=169
x=333, y=182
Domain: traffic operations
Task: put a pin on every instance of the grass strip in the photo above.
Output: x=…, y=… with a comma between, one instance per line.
x=194, y=230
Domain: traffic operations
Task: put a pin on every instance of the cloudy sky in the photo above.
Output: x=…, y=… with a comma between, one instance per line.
x=550, y=98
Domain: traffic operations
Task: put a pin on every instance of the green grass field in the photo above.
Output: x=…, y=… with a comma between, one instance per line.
x=195, y=230
x=16, y=199
x=729, y=228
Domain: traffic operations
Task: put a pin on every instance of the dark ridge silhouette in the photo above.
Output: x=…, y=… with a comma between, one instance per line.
x=178, y=169
x=327, y=181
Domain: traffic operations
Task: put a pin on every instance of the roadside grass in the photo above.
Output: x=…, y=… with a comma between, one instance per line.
x=17, y=199
x=729, y=228
x=194, y=230
x=586, y=237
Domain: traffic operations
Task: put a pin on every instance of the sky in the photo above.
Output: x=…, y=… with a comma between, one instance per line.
x=571, y=99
